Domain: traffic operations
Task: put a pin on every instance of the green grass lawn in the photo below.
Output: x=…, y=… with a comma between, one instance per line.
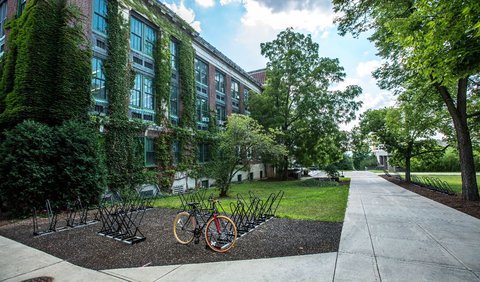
x=455, y=181
x=299, y=202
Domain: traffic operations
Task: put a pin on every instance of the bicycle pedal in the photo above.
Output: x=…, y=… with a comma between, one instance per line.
x=196, y=241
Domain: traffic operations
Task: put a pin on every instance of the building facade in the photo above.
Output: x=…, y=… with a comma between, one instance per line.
x=221, y=86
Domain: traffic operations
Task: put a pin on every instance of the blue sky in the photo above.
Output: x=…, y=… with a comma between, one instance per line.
x=237, y=27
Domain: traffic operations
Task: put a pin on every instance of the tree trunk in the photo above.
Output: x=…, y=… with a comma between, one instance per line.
x=467, y=164
x=459, y=117
x=285, y=168
x=408, y=158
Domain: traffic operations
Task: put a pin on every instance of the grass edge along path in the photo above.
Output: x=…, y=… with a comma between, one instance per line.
x=299, y=202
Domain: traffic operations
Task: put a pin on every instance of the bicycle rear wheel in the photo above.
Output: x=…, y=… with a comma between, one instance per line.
x=220, y=234
x=184, y=227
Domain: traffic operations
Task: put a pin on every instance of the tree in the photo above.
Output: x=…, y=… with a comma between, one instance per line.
x=437, y=41
x=238, y=146
x=300, y=105
x=405, y=131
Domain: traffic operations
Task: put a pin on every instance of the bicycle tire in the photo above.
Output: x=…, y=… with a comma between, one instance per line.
x=224, y=241
x=183, y=228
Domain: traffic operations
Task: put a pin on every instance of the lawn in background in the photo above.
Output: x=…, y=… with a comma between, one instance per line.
x=455, y=181
x=299, y=202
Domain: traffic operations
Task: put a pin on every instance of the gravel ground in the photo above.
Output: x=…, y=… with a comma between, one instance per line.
x=453, y=201
x=83, y=247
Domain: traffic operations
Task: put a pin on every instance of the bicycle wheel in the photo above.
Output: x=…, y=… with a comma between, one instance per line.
x=183, y=227
x=220, y=234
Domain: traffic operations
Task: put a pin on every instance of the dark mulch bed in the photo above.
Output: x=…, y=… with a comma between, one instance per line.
x=83, y=247
x=453, y=201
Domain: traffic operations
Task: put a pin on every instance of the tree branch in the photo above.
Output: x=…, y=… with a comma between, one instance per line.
x=431, y=151
x=473, y=114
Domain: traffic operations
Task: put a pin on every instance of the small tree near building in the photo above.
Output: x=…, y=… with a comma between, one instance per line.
x=239, y=146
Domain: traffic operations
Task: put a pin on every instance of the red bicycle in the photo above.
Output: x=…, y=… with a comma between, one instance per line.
x=220, y=230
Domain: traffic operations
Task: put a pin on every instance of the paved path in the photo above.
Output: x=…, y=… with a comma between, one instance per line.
x=392, y=234
x=389, y=234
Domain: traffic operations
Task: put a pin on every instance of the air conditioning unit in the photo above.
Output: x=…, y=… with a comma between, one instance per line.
x=205, y=119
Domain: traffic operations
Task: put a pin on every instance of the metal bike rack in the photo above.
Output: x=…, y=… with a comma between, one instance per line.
x=76, y=215
x=121, y=218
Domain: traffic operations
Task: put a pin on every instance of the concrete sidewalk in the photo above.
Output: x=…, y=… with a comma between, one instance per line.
x=389, y=234
x=392, y=234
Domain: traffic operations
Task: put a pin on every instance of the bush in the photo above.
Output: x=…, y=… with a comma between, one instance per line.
x=38, y=162
x=313, y=182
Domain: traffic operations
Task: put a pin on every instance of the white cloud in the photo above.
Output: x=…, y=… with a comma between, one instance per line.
x=205, y=3
x=185, y=13
x=226, y=2
x=365, y=69
x=312, y=19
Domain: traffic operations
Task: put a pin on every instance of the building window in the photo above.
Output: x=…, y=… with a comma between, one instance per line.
x=202, y=153
x=173, y=55
x=21, y=6
x=221, y=115
x=149, y=152
x=100, y=16
x=201, y=72
x=174, y=104
x=3, y=18
x=201, y=77
x=142, y=37
x=246, y=94
x=220, y=84
x=176, y=152
x=235, y=95
x=141, y=97
x=98, y=80
x=202, y=113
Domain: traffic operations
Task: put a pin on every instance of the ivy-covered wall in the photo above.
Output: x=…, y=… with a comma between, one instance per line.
x=123, y=147
x=46, y=72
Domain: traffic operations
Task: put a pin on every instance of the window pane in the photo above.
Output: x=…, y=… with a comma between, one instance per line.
x=136, y=91
x=149, y=152
x=98, y=79
x=174, y=101
x=148, y=93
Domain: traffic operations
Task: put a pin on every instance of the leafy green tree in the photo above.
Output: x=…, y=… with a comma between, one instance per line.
x=406, y=131
x=361, y=151
x=239, y=146
x=436, y=41
x=297, y=100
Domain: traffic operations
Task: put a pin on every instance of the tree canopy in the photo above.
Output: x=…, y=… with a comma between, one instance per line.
x=298, y=102
x=435, y=41
x=241, y=144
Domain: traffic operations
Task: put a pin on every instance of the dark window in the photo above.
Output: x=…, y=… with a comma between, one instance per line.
x=149, y=152
x=202, y=153
x=201, y=72
x=176, y=152
x=21, y=6
x=202, y=113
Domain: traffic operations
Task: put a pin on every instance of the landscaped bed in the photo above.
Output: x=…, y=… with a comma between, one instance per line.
x=83, y=247
x=274, y=238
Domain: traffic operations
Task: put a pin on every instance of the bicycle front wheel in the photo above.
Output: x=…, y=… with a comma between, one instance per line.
x=184, y=228
x=220, y=233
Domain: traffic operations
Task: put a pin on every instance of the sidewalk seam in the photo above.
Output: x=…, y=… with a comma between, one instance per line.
x=30, y=271
x=447, y=250
x=371, y=241
x=158, y=279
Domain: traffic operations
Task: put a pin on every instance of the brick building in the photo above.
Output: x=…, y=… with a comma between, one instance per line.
x=221, y=85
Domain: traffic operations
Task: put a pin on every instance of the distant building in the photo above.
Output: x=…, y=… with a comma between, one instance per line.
x=259, y=75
